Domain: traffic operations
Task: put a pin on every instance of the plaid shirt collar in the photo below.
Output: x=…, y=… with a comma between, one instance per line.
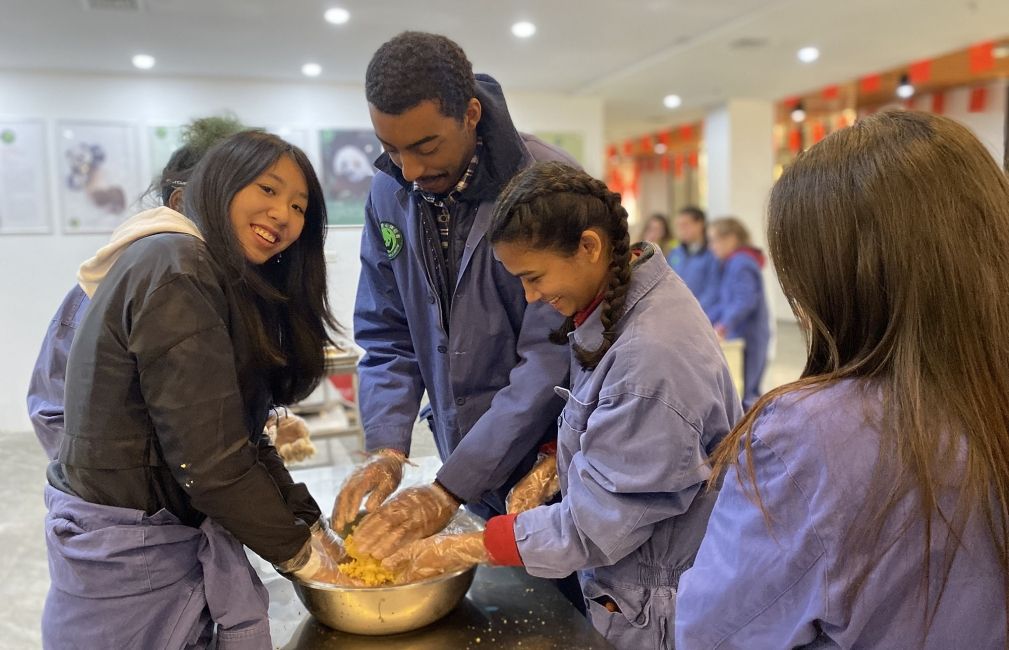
x=460, y=187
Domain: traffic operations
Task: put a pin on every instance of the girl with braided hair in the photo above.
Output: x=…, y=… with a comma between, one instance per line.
x=649, y=399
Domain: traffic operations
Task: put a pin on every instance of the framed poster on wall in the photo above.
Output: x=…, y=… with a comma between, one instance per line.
x=347, y=158
x=573, y=143
x=24, y=204
x=98, y=174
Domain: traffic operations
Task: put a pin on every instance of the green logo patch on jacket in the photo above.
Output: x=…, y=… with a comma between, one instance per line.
x=392, y=237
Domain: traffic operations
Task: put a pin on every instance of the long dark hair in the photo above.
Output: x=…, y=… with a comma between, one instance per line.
x=547, y=207
x=891, y=242
x=283, y=304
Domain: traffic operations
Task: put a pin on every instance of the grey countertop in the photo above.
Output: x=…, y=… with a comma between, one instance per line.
x=505, y=607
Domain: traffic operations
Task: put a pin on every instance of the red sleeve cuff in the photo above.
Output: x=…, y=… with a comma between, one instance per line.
x=499, y=540
x=549, y=448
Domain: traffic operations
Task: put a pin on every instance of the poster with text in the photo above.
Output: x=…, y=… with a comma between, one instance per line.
x=573, y=143
x=23, y=173
x=347, y=170
x=99, y=176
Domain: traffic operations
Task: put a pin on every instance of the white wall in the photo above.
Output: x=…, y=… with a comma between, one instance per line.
x=37, y=270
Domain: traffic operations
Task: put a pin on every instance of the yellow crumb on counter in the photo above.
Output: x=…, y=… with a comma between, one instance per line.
x=365, y=568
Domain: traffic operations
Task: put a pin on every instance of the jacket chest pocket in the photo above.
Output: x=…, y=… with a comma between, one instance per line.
x=573, y=420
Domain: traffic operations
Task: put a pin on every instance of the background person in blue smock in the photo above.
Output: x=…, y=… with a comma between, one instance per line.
x=46, y=387
x=865, y=504
x=644, y=410
x=435, y=311
x=691, y=258
x=741, y=310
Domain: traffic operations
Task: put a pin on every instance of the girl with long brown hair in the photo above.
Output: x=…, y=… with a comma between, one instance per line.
x=865, y=505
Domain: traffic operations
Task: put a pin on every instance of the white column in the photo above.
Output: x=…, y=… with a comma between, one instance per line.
x=740, y=172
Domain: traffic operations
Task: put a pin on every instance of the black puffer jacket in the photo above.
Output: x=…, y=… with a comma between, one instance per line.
x=165, y=408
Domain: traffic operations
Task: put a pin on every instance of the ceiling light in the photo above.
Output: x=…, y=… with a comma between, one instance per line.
x=905, y=90
x=523, y=29
x=311, y=69
x=143, y=61
x=808, y=54
x=672, y=101
x=337, y=16
x=798, y=113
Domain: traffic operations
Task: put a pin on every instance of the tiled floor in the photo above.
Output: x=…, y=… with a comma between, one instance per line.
x=24, y=574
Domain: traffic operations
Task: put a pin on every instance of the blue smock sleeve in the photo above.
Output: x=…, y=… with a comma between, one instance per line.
x=639, y=463
x=752, y=586
x=519, y=415
x=390, y=383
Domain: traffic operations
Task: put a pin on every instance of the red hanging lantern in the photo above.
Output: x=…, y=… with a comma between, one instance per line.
x=646, y=145
x=628, y=148
x=982, y=57
x=687, y=132
x=665, y=164
x=871, y=83
x=795, y=140
x=693, y=159
x=978, y=100
x=920, y=71
x=831, y=92
x=666, y=138
x=678, y=165
x=818, y=131
x=611, y=151
x=938, y=102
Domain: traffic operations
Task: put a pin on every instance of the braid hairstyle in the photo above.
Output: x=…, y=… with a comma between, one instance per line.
x=548, y=206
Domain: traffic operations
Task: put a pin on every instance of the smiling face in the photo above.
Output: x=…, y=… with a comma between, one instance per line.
x=568, y=283
x=429, y=148
x=268, y=214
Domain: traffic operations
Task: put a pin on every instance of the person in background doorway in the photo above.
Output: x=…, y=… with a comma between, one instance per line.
x=657, y=231
x=692, y=260
x=741, y=310
x=866, y=505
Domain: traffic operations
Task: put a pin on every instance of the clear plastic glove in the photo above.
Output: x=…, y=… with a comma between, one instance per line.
x=536, y=488
x=412, y=514
x=436, y=555
x=379, y=477
x=325, y=553
x=290, y=435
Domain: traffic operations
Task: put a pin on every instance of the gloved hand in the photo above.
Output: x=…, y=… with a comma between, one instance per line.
x=380, y=477
x=289, y=434
x=436, y=555
x=325, y=553
x=412, y=514
x=536, y=488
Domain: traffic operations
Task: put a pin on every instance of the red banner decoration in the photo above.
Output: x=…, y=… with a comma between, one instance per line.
x=666, y=138
x=646, y=145
x=938, y=102
x=920, y=71
x=665, y=164
x=818, y=131
x=628, y=148
x=831, y=92
x=678, y=165
x=794, y=141
x=687, y=132
x=870, y=84
x=693, y=159
x=982, y=57
x=978, y=100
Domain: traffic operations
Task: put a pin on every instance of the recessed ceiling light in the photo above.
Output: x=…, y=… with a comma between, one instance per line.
x=143, y=61
x=311, y=69
x=808, y=54
x=672, y=101
x=523, y=29
x=337, y=16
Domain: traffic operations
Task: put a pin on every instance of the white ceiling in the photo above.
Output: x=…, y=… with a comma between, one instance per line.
x=631, y=52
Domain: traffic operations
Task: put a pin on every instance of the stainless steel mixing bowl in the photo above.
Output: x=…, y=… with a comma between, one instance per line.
x=394, y=609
